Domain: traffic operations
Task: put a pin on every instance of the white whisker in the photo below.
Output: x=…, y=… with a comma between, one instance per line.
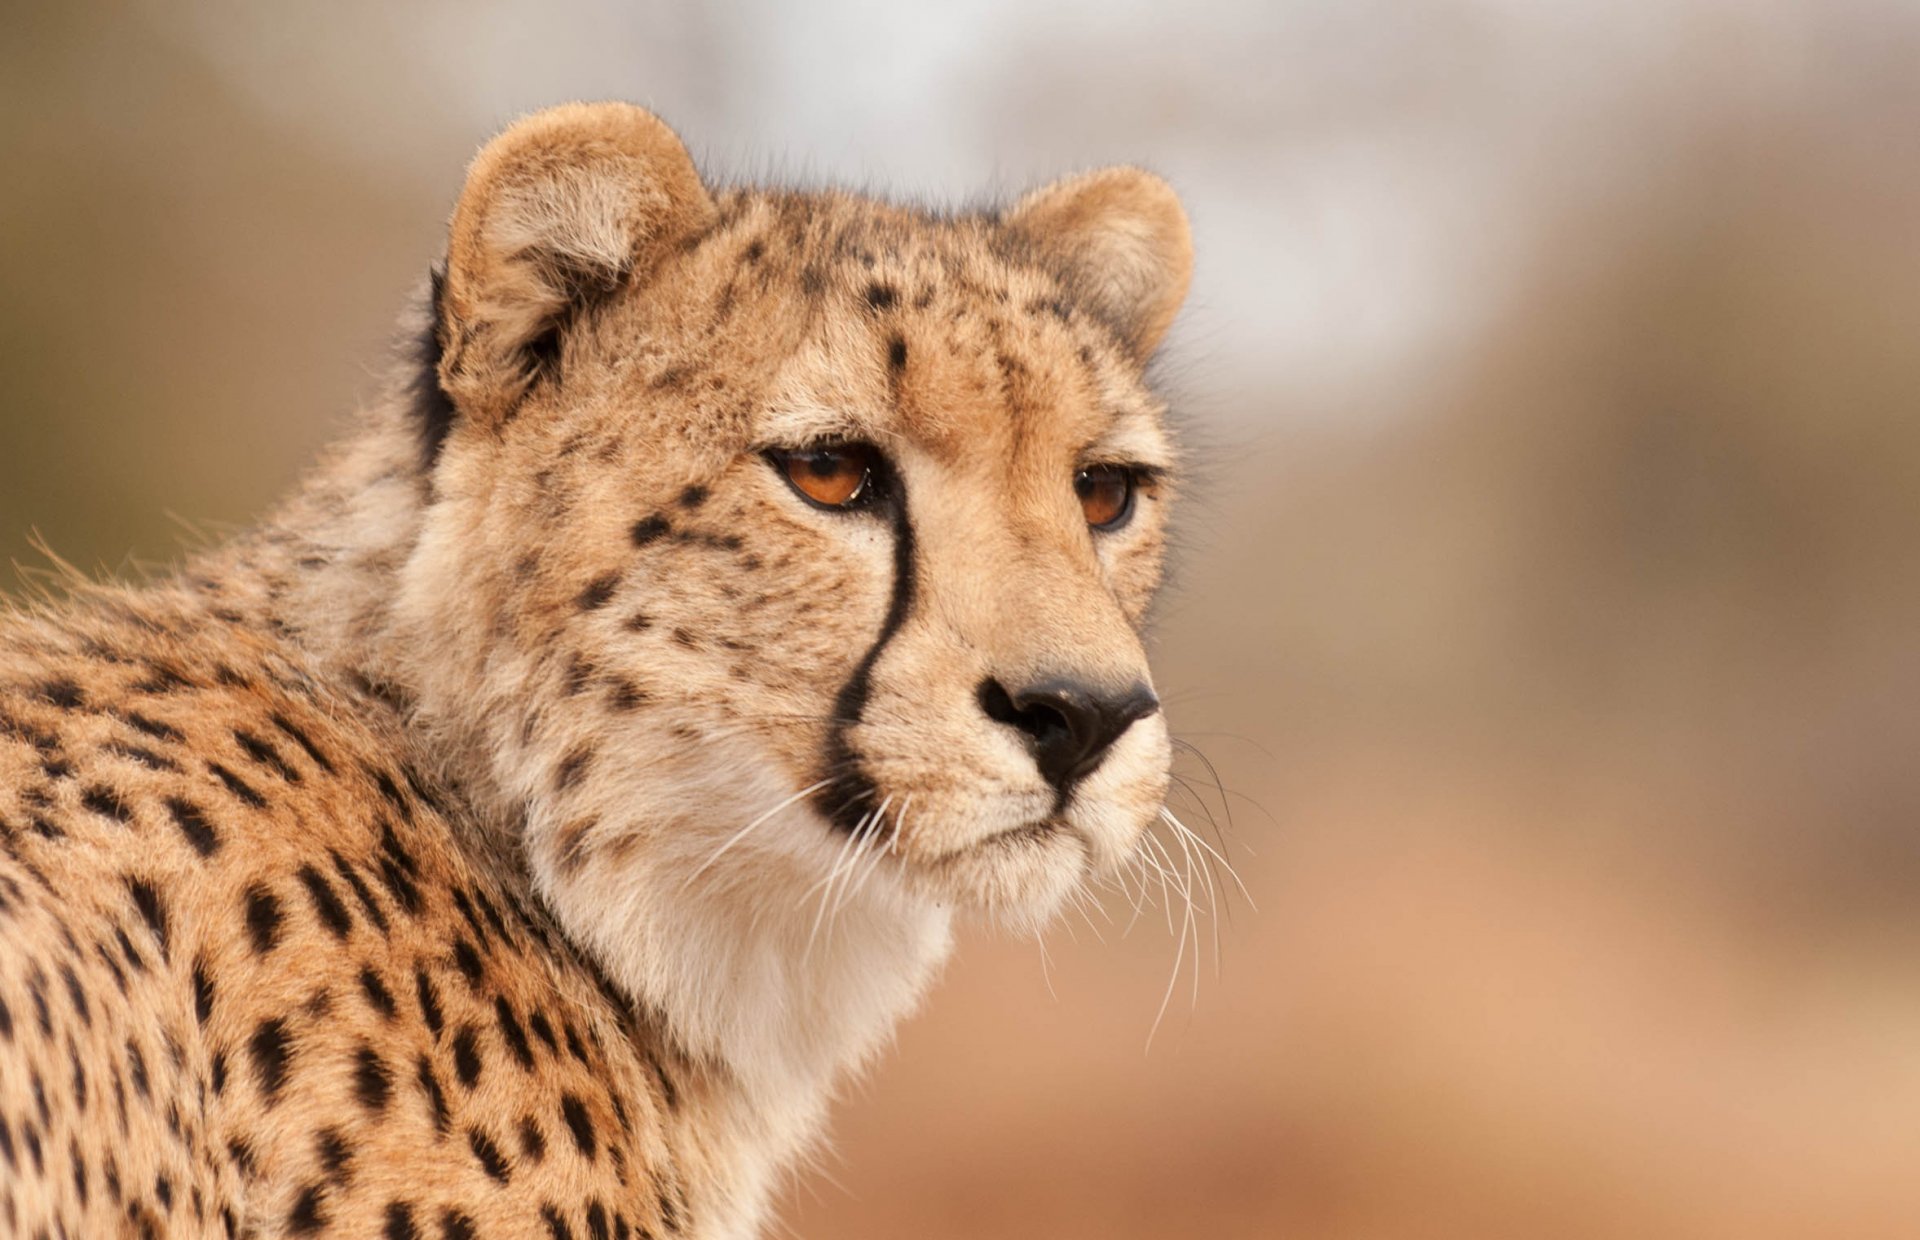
x=743, y=832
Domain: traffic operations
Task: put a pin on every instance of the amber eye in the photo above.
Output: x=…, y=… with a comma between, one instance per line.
x=832, y=476
x=1106, y=494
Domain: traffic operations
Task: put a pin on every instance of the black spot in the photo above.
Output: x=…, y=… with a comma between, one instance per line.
x=163, y=1189
x=396, y=880
x=372, y=1082
x=755, y=251
x=620, y=1113
x=466, y=1055
x=543, y=1029
x=456, y=1226
x=471, y=916
x=516, y=1037
x=79, y=1075
x=533, y=1142
x=217, y=1072
x=556, y=1225
x=377, y=994
x=142, y=755
x=579, y=671
x=361, y=891
x=32, y=1139
x=299, y=737
x=237, y=786
x=154, y=728
x=571, y=767
x=488, y=1153
x=669, y=1212
x=6, y=1021
x=63, y=693
x=897, y=354
x=693, y=497
x=76, y=995
x=469, y=963
x=242, y=1155
x=37, y=991
x=429, y=1001
x=667, y=1090
x=152, y=911
x=649, y=529
x=270, y=1049
x=880, y=296
x=263, y=918
x=325, y=902
x=202, y=992
x=400, y=1222
x=575, y=1113
x=436, y=1097
x=308, y=1215
x=394, y=797
x=56, y=769
x=137, y=1070
x=597, y=592
x=389, y=842
x=432, y=408
x=597, y=1222
x=107, y=803
x=336, y=1157
x=265, y=755
x=79, y=1172
x=194, y=826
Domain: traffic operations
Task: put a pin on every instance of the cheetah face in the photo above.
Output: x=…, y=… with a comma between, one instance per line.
x=824, y=529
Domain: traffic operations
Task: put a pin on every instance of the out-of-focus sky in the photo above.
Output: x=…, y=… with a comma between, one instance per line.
x=1547, y=602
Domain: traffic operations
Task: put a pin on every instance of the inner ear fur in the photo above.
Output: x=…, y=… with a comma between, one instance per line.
x=563, y=207
x=1121, y=238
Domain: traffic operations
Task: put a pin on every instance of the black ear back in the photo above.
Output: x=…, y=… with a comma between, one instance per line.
x=432, y=408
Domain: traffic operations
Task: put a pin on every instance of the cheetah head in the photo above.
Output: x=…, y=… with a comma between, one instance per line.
x=789, y=552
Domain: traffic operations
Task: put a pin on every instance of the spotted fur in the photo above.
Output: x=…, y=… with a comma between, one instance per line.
x=525, y=829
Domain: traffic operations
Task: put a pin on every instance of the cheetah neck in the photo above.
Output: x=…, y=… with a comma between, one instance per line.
x=734, y=973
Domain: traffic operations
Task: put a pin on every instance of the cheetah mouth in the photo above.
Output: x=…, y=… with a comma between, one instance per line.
x=1040, y=833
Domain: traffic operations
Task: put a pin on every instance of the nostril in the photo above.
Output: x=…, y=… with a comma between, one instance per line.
x=1069, y=725
x=1041, y=720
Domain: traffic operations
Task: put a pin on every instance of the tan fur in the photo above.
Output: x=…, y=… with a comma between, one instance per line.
x=535, y=720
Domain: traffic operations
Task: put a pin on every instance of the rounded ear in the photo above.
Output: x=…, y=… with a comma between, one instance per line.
x=561, y=208
x=1122, y=239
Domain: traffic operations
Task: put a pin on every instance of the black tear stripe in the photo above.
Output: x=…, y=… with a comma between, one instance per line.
x=847, y=798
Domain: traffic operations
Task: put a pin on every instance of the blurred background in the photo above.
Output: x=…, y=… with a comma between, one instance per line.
x=1549, y=601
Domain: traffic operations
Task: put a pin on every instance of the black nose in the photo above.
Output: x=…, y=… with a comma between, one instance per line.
x=1069, y=725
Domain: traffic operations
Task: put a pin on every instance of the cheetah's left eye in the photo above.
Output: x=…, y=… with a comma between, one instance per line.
x=832, y=476
x=1106, y=494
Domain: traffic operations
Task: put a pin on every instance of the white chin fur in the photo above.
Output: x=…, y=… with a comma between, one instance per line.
x=755, y=960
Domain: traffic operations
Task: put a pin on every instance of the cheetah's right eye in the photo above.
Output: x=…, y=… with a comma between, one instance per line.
x=830, y=476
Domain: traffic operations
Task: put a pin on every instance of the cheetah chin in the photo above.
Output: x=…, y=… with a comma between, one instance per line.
x=530, y=825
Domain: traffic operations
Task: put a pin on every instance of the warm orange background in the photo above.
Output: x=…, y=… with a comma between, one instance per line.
x=1548, y=608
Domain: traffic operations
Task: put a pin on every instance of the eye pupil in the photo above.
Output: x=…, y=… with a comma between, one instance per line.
x=1106, y=494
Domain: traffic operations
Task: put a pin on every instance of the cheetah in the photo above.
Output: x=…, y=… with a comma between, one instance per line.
x=528, y=827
